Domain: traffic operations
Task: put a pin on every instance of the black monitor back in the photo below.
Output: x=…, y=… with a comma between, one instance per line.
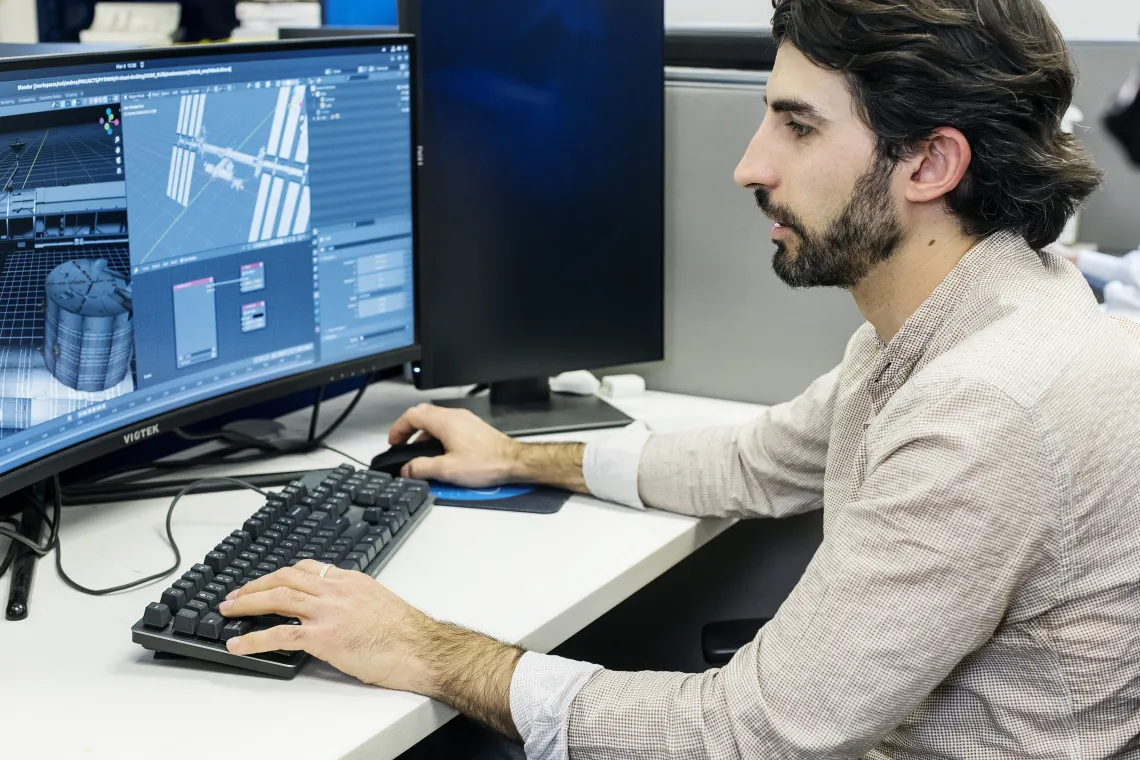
x=541, y=186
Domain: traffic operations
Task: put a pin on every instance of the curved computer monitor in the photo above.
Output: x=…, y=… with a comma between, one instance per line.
x=186, y=231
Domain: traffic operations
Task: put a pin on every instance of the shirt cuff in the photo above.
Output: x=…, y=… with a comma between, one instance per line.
x=543, y=689
x=610, y=465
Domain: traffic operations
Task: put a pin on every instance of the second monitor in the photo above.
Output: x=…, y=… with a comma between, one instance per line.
x=541, y=187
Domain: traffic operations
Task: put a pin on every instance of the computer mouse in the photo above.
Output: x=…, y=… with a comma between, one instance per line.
x=394, y=459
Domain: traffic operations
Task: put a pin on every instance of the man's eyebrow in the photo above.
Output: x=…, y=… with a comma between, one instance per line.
x=795, y=106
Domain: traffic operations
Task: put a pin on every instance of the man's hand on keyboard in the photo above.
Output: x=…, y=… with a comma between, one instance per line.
x=360, y=627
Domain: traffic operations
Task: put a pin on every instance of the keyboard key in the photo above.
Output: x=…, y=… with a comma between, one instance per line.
x=228, y=550
x=175, y=599
x=312, y=525
x=387, y=499
x=338, y=525
x=267, y=567
x=269, y=543
x=198, y=606
x=320, y=518
x=366, y=548
x=372, y=515
x=287, y=524
x=206, y=571
x=300, y=514
x=379, y=479
x=304, y=532
x=157, y=615
x=320, y=541
x=211, y=600
x=330, y=535
x=411, y=501
x=257, y=574
x=254, y=527
x=290, y=545
x=337, y=504
x=332, y=558
x=236, y=573
x=249, y=557
x=186, y=621
x=353, y=532
x=303, y=555
x=351, y=488
x=236, y=628
x=360, y=558
x=216, y=561
x=197, y=579
x=217, y=590
x=260, y=550
x=279, y=558
x=367, y=497
x=210, y=627
x=390, y=522
x=320, y=493
x=342, y=545
x=381, y=533
x=227, y=582
x=244, y=536
x=186, y=586
x=349, y=564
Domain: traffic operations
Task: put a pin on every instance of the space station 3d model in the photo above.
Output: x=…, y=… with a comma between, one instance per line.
x=279, y=167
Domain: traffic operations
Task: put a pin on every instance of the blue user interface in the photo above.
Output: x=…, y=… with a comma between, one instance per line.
x=175, y=229
x=361, y=12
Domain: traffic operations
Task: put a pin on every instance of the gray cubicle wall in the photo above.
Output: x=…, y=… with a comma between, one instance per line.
x=732, y=329
x=1112, y=217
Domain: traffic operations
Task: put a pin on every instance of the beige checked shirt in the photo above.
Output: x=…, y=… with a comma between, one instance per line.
x=977, y=591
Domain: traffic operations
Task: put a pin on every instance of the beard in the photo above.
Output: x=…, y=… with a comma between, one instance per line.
x=865, y=233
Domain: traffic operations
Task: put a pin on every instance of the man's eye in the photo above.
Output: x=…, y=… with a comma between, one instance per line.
x=801, y=130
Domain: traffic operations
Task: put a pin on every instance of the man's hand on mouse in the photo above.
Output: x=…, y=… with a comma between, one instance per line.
x=477, y=455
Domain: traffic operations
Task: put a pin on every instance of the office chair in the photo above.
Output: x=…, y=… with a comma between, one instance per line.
x=720, y=641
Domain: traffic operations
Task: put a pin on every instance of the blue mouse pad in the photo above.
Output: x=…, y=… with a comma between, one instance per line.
x=535, y=499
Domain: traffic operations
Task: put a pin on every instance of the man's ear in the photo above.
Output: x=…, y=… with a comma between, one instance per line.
x=939, y=166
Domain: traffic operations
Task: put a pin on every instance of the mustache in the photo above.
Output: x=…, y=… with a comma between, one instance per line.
x=782, y=215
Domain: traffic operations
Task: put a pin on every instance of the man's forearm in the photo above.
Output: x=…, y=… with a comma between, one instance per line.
x=551, y=464
x=470, y=672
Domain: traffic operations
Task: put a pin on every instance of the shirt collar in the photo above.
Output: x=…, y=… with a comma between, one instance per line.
x=998, y=251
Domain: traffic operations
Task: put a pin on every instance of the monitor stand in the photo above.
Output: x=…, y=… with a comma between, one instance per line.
x=527, y=407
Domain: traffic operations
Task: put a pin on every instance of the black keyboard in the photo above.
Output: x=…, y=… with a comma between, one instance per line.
x=355, y=520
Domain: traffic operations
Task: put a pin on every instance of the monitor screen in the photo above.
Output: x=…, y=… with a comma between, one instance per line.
x=360, y=12
x=542, y=125
x=177, y=226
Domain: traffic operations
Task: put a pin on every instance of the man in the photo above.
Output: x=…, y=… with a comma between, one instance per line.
x=977, y=591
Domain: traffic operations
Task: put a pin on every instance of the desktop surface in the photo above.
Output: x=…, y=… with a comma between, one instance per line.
x=180, y=225
x=79, y=687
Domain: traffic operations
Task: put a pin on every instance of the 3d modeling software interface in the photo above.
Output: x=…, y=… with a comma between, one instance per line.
x=175, y=229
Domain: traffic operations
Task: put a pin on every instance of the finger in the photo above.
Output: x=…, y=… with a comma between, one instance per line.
x=425, y=417
x=298, y=577
x=279, y=601
x=424, y=468
x=313, y=567
x=287, y=637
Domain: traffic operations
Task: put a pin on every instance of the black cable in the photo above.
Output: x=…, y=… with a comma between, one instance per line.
x=365, y=465
x=348, y=410
x=317, y=412
x=13, y=550
x=169, y=537
x=477, y=390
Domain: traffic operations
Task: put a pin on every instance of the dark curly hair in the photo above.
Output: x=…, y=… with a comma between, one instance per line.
x=997, y=70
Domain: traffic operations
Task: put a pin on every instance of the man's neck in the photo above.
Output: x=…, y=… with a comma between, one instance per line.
x=897, y=287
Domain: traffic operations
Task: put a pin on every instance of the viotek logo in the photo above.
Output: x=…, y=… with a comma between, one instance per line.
x=141, y=433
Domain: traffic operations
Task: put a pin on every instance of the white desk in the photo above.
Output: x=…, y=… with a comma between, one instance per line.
x=75, y=686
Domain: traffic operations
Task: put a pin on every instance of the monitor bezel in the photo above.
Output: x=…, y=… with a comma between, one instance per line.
x=121, y=438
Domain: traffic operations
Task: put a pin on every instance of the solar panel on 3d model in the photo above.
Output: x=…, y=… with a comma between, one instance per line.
x=214, y=172
x=66, y=314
